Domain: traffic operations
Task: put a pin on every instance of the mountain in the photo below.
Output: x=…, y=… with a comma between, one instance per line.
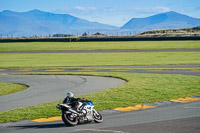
x=168, y=20
x=39, y=23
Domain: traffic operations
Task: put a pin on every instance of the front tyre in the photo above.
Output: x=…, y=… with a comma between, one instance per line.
x=97, y=117
x=66, y=117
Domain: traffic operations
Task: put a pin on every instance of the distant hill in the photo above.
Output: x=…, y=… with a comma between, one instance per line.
x=38, y=23
x=195, y=31
x=168, y=20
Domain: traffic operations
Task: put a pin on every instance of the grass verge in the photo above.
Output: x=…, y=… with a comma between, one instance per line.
x=49, y=46
x=8, y=88
x=140, y=88
x=97, y=59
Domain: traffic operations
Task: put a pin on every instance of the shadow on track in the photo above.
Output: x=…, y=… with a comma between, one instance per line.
x=54, y=125
x=48, y=125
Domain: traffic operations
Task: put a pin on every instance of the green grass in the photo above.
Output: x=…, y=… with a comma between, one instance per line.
x=8, y=88
x=97, y=59
x=48, y=46
x=140, y=89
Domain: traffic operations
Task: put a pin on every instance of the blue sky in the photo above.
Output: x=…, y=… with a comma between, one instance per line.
x=113, y=12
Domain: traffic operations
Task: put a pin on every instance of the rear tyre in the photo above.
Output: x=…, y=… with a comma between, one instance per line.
x=68, y=120
x=97, y=117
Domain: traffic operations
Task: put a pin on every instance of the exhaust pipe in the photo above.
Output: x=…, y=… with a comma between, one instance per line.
x=73, y=111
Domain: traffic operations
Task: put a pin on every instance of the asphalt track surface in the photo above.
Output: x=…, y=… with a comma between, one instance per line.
x=44, y=89
x=106, y=51
x=179, y=118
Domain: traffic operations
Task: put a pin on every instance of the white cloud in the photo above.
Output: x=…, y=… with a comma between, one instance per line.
x=161, y=9
x=79, y=8
x=85, y=8
x=77, y=11
x=157, y=9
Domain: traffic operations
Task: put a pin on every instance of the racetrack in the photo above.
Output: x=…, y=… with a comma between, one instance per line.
x=105, y=51
x=179, y=118
x=171, y=118
x=44, y=89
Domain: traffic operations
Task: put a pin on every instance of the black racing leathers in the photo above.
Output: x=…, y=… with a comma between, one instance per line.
x=74, y=101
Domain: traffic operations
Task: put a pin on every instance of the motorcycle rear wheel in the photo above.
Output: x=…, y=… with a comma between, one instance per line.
x=97, y=117
x=68, y=121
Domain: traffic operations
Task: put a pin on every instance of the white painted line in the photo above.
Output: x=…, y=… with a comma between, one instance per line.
x=191, y=107
x=99, y=130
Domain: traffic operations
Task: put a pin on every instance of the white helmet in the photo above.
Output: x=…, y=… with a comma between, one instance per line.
x=69, y=94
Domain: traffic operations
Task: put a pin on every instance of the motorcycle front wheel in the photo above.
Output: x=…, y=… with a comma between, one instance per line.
x=66, y=117
x=97, y=117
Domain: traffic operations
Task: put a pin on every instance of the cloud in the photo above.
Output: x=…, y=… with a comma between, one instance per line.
x=161, y=9
x=85, y=8
x=78, y=10
x=157, y=9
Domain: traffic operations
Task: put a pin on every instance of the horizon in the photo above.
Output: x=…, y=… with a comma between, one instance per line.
x=88, y=20
x=115, y=13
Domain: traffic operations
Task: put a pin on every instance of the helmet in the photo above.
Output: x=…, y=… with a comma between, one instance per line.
x=69, y=94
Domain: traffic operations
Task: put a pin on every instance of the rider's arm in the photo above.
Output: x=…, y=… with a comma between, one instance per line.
x=83, y=100
x=66, y=100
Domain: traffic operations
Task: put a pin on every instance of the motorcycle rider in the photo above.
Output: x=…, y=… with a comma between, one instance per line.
x=70, y=99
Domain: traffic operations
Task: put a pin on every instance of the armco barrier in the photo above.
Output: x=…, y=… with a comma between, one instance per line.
x=138, y=38
x=89, y=39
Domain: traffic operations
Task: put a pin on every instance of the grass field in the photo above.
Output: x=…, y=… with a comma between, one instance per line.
x=97, y=59
x=8, y=88
x=140, y=88
x=44, y=46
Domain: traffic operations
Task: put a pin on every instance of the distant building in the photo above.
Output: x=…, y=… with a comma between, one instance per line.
x=85, y=34
x=99, y=34
x=62, y=35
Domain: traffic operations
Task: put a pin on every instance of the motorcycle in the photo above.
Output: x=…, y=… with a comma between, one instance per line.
x=85, y=113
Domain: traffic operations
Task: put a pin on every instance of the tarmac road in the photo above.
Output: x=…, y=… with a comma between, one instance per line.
x=118, y=51
x=49, y=88
x=106, y=51
x=178, y=118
